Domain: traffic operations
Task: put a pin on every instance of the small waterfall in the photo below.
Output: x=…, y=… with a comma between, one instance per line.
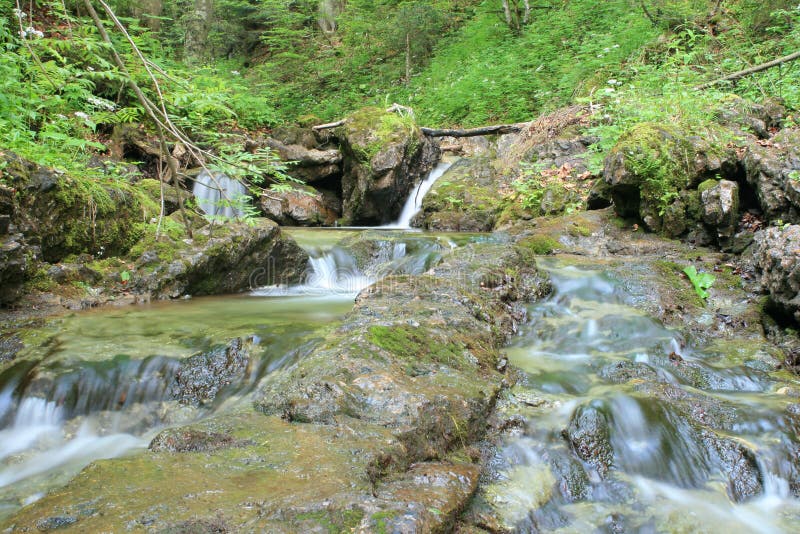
x=414, y=202
x=218, y=195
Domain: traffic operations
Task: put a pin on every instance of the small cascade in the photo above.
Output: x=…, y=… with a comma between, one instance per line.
x=346, y=270
x=624, y=424
x=218, y=195
x=413, y=204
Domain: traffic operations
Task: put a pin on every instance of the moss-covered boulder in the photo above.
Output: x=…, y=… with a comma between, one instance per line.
x=65, y=215
x=464, y=199
x=650, y=168
x=222, y=258
x=385, y=154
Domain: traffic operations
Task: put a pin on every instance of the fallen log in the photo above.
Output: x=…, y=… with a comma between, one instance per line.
x=329, y=125
x=472, y=132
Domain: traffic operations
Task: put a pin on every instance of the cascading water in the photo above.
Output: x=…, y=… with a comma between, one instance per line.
x=624, y=429
x=218, y=195
x=413, y=204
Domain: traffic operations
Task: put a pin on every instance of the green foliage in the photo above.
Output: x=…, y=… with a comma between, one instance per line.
x=702, y=282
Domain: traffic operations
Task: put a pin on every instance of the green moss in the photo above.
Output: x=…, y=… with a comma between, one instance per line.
x=370, y=129
x=577, y=230
x=536, y=245
x=706, y=185
x=334, y=521
x=379, y=520
x=420, y=343
x=40, y=281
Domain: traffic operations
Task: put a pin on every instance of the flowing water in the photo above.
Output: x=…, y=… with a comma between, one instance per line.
x=97, y=384
x=413, y=204
x=602, y=378
x=218, y=195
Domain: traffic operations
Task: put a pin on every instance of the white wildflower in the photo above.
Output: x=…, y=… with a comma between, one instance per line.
x=19, y=13
x=612, y=81
x=81, y=115
x=236, y=72
x=101, y=103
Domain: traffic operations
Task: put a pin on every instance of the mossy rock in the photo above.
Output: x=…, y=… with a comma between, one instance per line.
x=384, y=155
x=651, y=166
x=72, y=214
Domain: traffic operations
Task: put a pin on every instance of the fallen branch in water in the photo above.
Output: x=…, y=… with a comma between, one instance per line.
x=472, y=132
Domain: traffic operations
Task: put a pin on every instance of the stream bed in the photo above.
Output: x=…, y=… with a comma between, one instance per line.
x=623, y=426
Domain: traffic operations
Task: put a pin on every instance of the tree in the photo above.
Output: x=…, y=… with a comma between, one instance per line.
x=517, y=14
x=416, y=26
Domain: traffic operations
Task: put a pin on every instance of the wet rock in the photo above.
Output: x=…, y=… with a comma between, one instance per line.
x=588, y=433
x=201, y=377
x=55, y=522
x=745, y=479
x=772, y=169
x=626, y=370
x=777, y=255
x=426, y=498
x=17, y=260
x=190, y=440
x=61, y=218
x=222, y=259
x=572, y=480
x=385, y=154
x=10, y=345
x=299, y=207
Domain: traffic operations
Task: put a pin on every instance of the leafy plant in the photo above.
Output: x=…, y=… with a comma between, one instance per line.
x=702, y=282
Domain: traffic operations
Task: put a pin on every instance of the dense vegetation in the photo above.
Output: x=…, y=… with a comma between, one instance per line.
x=225, y=65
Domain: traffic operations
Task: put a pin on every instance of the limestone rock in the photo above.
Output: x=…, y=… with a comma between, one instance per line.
x=302, y=206
x=773, y=170
x=777, y=255
x=222, y=259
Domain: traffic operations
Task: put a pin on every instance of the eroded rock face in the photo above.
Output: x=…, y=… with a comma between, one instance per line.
x=720, y=202
x=773, y=170
x=201, y=377
x=221, y=259
x=303, y=206
x=463, y=199
x=385, y=154
x=777, y=255
x=650, y=170
x=58, y=217
x=310, y=164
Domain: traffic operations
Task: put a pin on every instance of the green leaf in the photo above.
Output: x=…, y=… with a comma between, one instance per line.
x=701, y=281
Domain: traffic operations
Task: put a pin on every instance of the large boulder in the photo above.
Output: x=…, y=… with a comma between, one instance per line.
x=773, y=170
x=464, y=199
x=777, y=255
x=220, y=259
x=385, y=154
x=302, y=206
x=720, y=201
x=65, y=215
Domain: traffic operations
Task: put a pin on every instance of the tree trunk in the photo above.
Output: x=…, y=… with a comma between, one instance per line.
x=507, y=12
x=154, y=8
x=408, y=59
x=527, y=16
x=195, y=43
